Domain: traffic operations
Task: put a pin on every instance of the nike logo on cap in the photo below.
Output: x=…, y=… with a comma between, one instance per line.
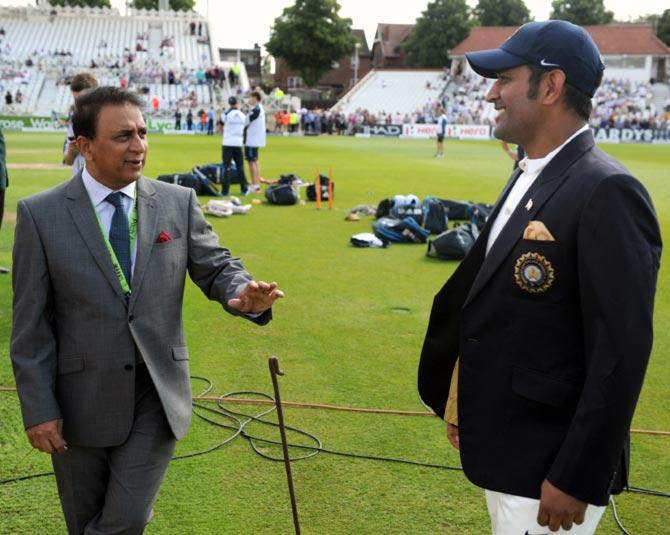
x=545, y=63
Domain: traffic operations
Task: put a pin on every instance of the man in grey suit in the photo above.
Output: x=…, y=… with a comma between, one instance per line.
x=97, y=345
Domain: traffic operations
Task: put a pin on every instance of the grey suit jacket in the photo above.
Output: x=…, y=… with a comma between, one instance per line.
x=75, y=334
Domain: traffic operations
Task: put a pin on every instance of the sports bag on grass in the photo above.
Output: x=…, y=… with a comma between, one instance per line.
x=403, y=206
x=453, y=244
x=311, y=189
x=457, y=210
x=400, y=231
x=435, y=219
x=191, y=180
x=282, y=194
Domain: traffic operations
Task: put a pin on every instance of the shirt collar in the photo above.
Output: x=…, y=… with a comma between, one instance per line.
x=536, y=165
x=98, y=192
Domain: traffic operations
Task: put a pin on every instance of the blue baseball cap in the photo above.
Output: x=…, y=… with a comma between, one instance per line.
x=554, y=44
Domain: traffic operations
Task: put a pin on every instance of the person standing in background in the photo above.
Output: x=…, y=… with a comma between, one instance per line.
x=516, y=155
x=79, y=83
x=210, y=121
x=233, y=138
x=441, y=132
x=255, y=139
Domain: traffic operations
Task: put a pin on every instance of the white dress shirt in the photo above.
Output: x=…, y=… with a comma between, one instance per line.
x=98, y=192
x=531, y=169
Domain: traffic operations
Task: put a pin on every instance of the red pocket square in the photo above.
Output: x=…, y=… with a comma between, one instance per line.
x=163, y=237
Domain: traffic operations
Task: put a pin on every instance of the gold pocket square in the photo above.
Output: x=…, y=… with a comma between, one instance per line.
x=536, y=230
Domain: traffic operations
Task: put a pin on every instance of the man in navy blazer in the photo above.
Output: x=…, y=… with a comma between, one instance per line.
x=550, y=315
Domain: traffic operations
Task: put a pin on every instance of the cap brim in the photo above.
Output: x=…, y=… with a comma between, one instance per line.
x=488, y=63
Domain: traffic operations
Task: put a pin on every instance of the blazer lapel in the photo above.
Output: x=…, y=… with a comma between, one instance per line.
x=478, y=250
x=147, y=222
x=82, y=212
x=545, y=185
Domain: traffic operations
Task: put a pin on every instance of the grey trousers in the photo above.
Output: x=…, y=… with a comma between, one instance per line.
x=111, y=491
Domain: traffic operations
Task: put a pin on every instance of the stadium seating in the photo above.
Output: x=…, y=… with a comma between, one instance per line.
x=141, y=48
x=393, y=91
x=89, y=33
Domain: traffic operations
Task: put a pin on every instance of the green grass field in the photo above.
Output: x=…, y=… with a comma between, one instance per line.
x=343, y=336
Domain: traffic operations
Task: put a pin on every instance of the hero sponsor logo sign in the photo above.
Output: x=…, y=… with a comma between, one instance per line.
x=453, y=131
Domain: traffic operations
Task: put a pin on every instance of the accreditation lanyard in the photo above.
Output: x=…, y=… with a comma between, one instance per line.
x=132, y=230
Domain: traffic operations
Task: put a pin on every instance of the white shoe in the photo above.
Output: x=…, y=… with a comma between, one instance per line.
x=241, y=209
x=218, y=208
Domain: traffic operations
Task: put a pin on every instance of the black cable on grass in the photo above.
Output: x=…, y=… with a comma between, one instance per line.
x=615, y=513
x=238, y=422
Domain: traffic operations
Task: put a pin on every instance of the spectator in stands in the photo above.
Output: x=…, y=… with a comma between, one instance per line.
x=210, y=121
x=177, y=119
x=255, y=139
x=233, y=136
x=293, y=121
x=441, y=132
x=9, y=99
x=4, y=182
x=309, y=122
x=278, y=121
x=189, y=120
x=18, y=97
x=79, y=83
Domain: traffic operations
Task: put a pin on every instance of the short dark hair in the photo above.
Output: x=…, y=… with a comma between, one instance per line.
x=88, y=105
x=576, y=101
x=256, y=95
x=82, y=81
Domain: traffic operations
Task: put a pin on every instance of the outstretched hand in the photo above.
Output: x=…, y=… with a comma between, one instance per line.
x=256, y=297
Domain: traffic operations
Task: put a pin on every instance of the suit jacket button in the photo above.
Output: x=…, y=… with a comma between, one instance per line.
x=128, y=367
x=131, y=318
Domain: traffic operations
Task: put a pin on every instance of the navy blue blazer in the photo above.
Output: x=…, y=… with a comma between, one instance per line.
x=553, y=336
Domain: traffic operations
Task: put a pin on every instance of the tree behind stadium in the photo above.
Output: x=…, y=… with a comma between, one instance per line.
x=175, y=5
x=663, y=27
x=501, y=12
x=581, y=12
x=81, y=3
x=310, y=36
x=442, y=25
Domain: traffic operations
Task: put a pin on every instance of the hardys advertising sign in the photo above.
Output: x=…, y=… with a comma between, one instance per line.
x=630, y=135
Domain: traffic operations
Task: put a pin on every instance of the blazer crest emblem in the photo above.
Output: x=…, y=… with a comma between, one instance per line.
x=533, y=273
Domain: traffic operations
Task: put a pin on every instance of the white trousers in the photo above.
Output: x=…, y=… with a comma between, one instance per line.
x=515, y=515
